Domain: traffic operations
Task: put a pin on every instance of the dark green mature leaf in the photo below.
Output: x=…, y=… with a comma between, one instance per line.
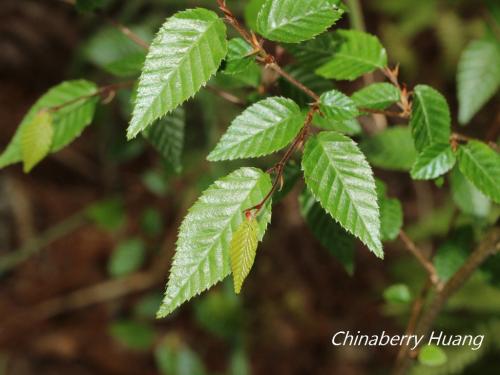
x=237, y=59
x=359, y=53
x=293, y=21
x=167, y=137
x=478, y=76
x=481, y=165
x=337, y=106
x=391, y=218
x=78, y=98
x=185, y=53
x=452, y=254
x=315, y=52
x=202, y=255
x=89, y=5
x=36, y=139
x=430, y=119
x=467, y=197
x=243, y=250
x=340, y=178
x=376, y=96
x=391, y=149
x=263, y=128
x=434, y=161
x=327, y=231
x=134, y=335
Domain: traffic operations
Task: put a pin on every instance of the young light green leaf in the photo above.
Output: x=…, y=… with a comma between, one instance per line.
x=358, y=53
x=397, y=293
x=127, y=257
x=430, y=119
x=478, y=76
x=432, y=355
x=36, y=139
x=340, y=178
x=263, y=128
x=167, y=137
x=242, y=252
x=185, y=53
x=434, y=161
x=481, y=165
x=338, y=107
x=293, y=21
x=392, y=149
x=327, y=231
x=237, y=59
x=376, y=96
x=467, y=197
x=202, y=255
x=78, y=99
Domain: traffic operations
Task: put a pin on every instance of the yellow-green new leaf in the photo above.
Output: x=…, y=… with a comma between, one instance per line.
x=341, y=179
x=243, y=250
x=185, y=53
x=202, y=254
x=36, y=139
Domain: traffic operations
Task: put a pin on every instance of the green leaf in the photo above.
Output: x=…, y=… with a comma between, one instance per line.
x=340, y=178
x=108, y=214
x=293, y=21
x=397, y=293
x=359, y=53
x=430, y=119
x=68, y=122
x=327, y=231
x=432, y=355
x=391, y=149
x=173, y=357
x=134, y=335
x=391, y=218
x=376, y=96
x=89, y=5
x=315, y=52
x=242, y=251
x=237, y=59
x=202, y=255
x=185, y=53
x=252, y=10
x=478, y=76
x=452, y=254
x=481, y=165
x=338, y=107
x=467, y=197
x=263, y=128
x=128, y=257
x=350, y=127
x=434, y=161
x=36, y=139
x=167, y=137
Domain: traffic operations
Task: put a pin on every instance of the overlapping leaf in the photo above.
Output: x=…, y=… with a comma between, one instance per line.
x=167, y=137
x=391, y=149
x=376, y=96
x=185, y=53
x=430, y=120
x=478, y=76
x=202, y=254
x=481, y=165
x=36, y=139
x=340, y=178
x=327, y=231
x=350, y=127
x=242, y=251
x=391, y=213
x=315, y=52
x=261, y=129
x=467, y=197
x=357, y=54
x=77, y=100
x=434, y=161
x=337, y=106
x=237, y=59
x=293, y=21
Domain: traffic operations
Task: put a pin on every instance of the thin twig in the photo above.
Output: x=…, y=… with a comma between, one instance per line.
x=129, y=33
x=227, y=96
x=413, y=249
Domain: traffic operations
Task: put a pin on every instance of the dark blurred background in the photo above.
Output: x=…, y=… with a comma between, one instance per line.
x=86, y=239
